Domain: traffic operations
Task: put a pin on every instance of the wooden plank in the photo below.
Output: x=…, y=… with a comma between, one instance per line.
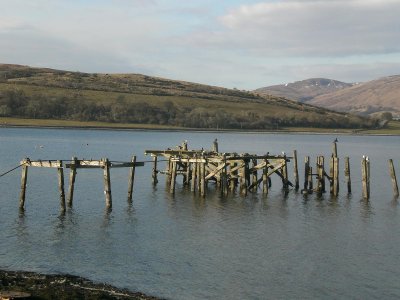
x=42, y=164
x=215, y=171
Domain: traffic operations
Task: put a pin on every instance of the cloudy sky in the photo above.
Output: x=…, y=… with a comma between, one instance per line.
x=245, y=44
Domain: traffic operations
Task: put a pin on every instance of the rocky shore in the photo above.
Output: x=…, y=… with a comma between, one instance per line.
x=45, y=286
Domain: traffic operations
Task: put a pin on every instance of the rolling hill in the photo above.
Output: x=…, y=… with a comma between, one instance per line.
x=370, y=98
x=41, y=93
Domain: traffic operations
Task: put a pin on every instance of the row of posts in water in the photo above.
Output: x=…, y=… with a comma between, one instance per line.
x=229, y=171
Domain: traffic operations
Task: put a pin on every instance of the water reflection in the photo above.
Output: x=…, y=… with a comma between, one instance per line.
x=257, y=246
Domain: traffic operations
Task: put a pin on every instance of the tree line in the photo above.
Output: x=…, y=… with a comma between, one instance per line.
x=15, y=103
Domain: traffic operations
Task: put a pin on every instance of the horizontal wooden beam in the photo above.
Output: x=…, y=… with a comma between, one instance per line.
x=42, y=163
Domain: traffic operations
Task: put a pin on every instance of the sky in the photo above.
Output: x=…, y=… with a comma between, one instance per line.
x=244, y=44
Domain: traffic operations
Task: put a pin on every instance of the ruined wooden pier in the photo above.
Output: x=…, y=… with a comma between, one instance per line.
x=228, y=171
x=73, y=165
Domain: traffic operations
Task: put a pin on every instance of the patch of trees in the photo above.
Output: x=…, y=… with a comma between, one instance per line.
x=15, y=103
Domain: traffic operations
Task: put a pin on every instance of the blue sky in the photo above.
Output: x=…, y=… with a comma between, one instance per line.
x=245, y=44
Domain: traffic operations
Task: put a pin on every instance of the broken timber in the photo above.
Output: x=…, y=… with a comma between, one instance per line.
x=227, y=170
x=75, y=164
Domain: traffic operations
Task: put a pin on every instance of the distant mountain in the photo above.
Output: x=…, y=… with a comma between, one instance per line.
x=369, y=98
x=304, y=90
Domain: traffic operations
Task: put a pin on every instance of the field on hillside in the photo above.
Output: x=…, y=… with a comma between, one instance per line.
x=30, y=93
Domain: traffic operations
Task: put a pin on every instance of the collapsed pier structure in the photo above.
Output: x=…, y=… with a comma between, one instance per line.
x=229, y=171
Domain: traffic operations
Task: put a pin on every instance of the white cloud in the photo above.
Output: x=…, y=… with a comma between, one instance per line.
x=310, y=28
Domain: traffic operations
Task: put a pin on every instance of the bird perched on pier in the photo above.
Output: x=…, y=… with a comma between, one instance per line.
x=336, y=140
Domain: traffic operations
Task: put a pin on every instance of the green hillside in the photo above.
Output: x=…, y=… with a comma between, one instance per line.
x=46, y=94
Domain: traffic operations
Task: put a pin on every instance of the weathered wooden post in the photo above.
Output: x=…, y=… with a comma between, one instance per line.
x=306, y=172
x=320, y=174
x=215, y=146
x=173, y=177
x=347, y=173
x=194, y=175
x=203, y=177
x=60, y=171
x=254, y=178
x=285, y=179
x=72, y=177
x=224, y=177
x=107, y=182
x=24, y=178
x=243, y=185
x=365, y=177
x=169, y=170
x=265, y=178
x=310, y=180
x=296, y=170
x=334, y=149
x=233, y=173
x=335, y=176
x=131, y=178
x=394, y=179
x=186, y=180
x=155, y=171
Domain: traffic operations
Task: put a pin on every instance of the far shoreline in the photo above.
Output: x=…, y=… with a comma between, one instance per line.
x=63, y=124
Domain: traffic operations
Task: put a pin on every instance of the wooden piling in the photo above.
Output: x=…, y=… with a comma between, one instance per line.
x=285, y=178
x=365, y=178
x=335, y=176
x=233, y=176
x=295, y=170
x=131, y=178
x=306, y=172
x=334, y=149
x=203, y=178
x=347, y=174
x=243, y=175
x=107, y=183
x=394, y=179
x=310, y=180
x=254, y=178
x=331, y=174
x=154, y=173
x=24, y=178
x=60, y=171
x=173, y=177
x=72, y=177
x=321, y=174
x=215, y=146
x=194, y=176
x=265, y=178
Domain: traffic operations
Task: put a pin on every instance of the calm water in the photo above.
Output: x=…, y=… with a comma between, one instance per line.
x=184, y=247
